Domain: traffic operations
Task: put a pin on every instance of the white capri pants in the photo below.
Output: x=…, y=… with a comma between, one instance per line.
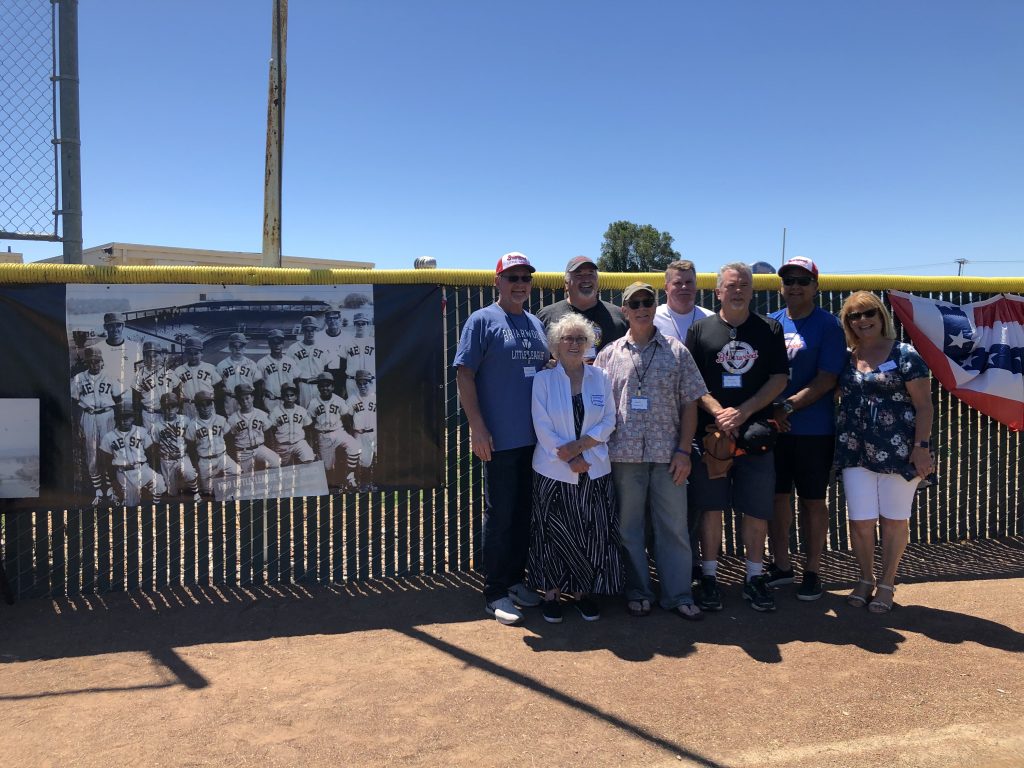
x=871, y=494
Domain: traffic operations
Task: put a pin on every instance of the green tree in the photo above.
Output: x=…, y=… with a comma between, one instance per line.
x=630, y=247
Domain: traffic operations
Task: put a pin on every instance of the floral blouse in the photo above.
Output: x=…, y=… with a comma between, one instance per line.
x=875, y=427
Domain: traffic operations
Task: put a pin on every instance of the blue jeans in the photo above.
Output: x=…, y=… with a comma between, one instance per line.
x=508, y=496
x=634, y=485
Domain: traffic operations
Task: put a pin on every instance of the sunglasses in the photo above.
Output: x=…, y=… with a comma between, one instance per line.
x=801, y=281
x=637, y=303
x=578, y=340
x=867, y=314
x=518, y=278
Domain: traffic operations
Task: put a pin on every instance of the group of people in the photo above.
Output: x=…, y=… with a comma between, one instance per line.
x=608, y=434
x=155, y=430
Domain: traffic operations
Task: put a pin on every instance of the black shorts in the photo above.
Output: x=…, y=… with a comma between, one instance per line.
x=806, y=462
x=747, y=488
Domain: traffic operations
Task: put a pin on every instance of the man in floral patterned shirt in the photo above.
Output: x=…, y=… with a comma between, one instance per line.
x=656, y=386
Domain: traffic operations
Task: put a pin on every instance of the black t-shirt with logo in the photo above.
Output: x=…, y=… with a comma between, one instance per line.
x=735, y=369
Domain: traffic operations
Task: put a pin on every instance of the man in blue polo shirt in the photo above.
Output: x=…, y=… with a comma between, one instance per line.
x=806, y=418
x=501, y=348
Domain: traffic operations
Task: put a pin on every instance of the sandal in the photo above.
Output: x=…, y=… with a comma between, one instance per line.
x=860, y=597
x=688, y=612
x=880, y=606
x=639, y=607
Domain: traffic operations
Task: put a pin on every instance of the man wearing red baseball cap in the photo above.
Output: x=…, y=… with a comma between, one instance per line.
x=803, y=453
x=501, y=349
x=581, y=281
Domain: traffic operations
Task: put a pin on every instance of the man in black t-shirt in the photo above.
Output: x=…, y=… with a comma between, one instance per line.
x=581, y=286
x=742, y=357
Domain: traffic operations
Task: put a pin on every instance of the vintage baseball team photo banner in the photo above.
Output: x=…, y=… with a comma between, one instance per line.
x=132, y=394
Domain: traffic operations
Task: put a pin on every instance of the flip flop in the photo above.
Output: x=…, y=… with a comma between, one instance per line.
x=877, y=606
x=639, y=607
x=689, y=612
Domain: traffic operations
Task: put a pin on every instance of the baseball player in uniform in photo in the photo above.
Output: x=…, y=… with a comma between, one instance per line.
x=246, y=428
x=312, y=359
x=96, y=395
x=206, y=433
x=194, y=377
x=327, y=412
x=120, y=354
x=334, y=341
x=151, y=381
x=289, y=422
x=360, y=350
x=123, y=453
x=274, y=370
x=234, y=370
x=168, y=433
x=364, y=423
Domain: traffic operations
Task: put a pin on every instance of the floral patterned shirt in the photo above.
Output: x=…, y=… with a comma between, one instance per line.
x=665, y=376
x=875, y=428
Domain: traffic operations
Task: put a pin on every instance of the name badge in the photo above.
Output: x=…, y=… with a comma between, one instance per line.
x=597, y=401
x=639, y=404
x=888, y=365
x=529, y=371
x=732, y=380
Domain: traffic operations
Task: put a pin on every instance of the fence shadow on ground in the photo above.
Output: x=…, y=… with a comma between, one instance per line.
x=158, y=622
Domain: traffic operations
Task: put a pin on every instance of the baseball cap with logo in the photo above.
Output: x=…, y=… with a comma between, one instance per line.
x=324, y=378
x=168, y=398
x=148, y=346
x=514, y=259
x=239, y=337
x=203, y=397
x=578, y=261
x=634, y=288
x=275, y=334
x=111, y=317
x=193, y=343
x=308, y=322
x=362, y=375
x=800, y=262
x=244, y=389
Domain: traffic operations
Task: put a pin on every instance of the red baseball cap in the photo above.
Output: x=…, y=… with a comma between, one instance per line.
x=800, y=262
x=514, y=259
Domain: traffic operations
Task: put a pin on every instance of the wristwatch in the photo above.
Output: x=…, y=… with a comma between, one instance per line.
x=923, y=444
x=787, y=407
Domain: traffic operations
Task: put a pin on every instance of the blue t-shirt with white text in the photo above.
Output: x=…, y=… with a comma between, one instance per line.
x=504, y=351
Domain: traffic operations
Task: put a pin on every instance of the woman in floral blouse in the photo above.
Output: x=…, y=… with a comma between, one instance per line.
x=883, y=442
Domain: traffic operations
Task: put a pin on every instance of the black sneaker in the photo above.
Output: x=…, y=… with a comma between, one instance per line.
x=588, y=609
x=776, y=577
x=552, y=611
x=759, y=594
x=810, y=587
x=709, y=598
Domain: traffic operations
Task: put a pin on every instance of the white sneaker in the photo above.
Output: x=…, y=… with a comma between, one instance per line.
x=522, y=595
x=504, y=610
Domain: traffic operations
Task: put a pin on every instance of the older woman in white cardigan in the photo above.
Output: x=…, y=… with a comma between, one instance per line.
x=574, y=544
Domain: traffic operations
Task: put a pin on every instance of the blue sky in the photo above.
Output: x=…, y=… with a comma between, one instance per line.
x=885, y=136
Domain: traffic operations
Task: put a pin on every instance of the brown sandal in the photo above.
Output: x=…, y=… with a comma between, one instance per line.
x=860, y=596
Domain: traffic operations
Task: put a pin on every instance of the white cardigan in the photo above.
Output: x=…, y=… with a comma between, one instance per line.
x=553, y=422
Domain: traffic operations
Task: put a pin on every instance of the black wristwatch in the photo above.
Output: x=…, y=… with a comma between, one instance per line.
x=786, y=406
x=923, y=444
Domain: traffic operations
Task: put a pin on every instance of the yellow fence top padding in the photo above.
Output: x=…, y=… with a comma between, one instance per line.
x=83, y=273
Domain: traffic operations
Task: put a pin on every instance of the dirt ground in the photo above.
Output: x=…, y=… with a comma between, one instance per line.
x=412, y=672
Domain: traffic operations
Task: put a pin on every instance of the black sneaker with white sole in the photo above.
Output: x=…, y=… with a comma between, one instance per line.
x=759, y=594
x=552, y=611
x=709, y=598
x=776, y=577
x=810, y=588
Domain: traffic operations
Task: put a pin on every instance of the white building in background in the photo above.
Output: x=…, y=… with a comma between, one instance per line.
x=133, y=254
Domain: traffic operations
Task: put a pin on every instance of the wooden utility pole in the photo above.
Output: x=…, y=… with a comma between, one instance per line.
x=275, y=138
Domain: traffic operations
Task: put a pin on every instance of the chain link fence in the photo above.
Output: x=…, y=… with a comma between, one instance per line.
x=28, y=154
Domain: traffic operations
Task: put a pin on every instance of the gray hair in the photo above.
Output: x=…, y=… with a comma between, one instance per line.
x=570, y=321
x=736, y=266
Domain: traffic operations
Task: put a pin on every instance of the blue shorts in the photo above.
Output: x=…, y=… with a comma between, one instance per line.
x=749, y=488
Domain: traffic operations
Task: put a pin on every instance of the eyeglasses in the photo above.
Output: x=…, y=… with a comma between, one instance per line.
x=867, y=314
x=801, y=281
x=637, y=303
x=578, y=340
x=518, y=278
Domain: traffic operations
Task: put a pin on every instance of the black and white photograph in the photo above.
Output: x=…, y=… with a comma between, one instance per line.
x=192, y=392
x=19, y=448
